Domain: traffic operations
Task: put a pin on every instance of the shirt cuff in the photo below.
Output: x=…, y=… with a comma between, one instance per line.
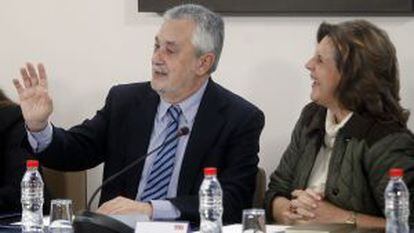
x=164, y=210
x=39, y=141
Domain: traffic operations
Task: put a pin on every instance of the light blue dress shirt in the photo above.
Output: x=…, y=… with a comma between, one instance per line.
x=162, y=209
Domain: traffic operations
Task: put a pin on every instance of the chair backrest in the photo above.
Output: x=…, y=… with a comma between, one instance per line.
x=259, y=192
x=69, y=185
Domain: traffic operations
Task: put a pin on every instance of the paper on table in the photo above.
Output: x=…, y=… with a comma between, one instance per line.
x=131, y=219
x=237, y=228
x=162, y=227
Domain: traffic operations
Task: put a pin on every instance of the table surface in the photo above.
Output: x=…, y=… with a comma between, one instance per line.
x=235, y=228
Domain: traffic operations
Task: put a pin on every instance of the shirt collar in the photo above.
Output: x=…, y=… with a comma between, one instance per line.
x=189, y=106
x=331, y=127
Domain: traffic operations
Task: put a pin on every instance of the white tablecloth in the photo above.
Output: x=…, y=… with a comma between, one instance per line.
x=236, y=228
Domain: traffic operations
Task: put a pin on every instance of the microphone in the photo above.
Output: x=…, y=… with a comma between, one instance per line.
x=181, y=132
x=88, y=221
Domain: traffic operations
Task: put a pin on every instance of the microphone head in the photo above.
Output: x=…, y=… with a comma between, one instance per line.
x=183, y=131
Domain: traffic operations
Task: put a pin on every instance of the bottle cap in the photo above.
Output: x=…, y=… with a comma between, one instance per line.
x=209, y=171
x=395, y=172
x=32, y=163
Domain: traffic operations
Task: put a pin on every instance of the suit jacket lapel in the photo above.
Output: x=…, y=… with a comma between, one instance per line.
x=141, y=116
x=207, y=125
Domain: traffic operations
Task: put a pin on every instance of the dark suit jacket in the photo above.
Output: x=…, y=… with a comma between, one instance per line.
x=13, y=160
x=12, y=157
x=225, y=135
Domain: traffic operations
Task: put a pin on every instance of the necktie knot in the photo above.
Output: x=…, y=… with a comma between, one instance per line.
x=174, y=111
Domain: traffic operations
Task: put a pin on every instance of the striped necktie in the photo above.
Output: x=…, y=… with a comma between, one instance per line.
x=162, y=167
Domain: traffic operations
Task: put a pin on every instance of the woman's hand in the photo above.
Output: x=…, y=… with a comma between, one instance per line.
x=304, y=204
x=311, y=207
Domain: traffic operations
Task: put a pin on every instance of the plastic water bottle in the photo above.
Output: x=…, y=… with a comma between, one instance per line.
x=397, y=207
x=211, y=199
x=32, y=198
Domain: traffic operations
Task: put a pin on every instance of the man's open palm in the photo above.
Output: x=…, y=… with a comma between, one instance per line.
x=35, y=101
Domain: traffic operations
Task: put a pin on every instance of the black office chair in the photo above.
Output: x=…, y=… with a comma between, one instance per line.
x=259, y=192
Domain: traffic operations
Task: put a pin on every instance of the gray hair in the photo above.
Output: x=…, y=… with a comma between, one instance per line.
x=209, y=33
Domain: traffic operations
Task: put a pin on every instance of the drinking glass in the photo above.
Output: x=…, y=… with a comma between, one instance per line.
x=61, y=216
x=254, y=221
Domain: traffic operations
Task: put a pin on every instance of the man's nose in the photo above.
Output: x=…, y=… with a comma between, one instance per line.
x=309, y=64
x=157, y=57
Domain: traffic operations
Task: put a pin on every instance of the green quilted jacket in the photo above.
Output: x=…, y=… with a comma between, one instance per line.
x=363, y=152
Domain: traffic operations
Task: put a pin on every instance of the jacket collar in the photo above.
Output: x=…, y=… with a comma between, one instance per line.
x=207, y=125
x=315, y=119
x=357, y=127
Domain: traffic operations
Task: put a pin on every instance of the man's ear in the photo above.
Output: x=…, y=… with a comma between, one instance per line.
x=205, y=62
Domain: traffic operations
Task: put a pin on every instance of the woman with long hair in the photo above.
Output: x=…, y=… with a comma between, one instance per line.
x=335, y=168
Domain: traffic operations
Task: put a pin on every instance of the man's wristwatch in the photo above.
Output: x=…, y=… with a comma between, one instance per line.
x=351, y=218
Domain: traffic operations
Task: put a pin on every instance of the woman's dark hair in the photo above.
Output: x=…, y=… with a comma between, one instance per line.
x=366, y=59
x=4, y=100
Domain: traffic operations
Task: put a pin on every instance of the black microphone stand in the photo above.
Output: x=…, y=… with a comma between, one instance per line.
x=91, y=222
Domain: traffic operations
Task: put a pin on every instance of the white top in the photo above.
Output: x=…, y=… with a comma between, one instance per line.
x=319, y=174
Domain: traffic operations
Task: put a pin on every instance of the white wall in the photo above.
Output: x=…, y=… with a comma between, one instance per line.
x=88, y=46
